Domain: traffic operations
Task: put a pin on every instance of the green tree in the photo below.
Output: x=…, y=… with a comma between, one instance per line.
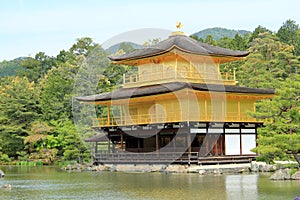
x=289, y=34
x=84, y=46
x=269, y=63
x=226, y=42
x=73, y=147
x=19, y=108
x=240, y=42
x=37, y=67
x=41, y=144
x=258, y=30
x=195, y=37
x=56, y=93
x=210, y=40
x=281, y=134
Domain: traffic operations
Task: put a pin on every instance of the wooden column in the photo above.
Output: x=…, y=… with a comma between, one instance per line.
x=109, y=148
x=121, y=116
x=174, y=141
x=93, y=152
x=234, y=74
x=241, y=146
x=122, y=141
x=239, y=109
x=188, y=142
x=108, y=115
x=96, y=147
x=218, y=67
x=157, y=140
x=205, y=107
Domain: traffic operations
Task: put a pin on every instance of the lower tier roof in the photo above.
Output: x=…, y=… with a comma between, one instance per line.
x=125, y=93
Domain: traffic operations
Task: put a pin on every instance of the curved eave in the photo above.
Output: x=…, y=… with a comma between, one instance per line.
x=129, y=93
x=134, y=59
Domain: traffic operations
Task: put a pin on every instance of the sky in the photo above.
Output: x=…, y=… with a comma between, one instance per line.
x=31, y=26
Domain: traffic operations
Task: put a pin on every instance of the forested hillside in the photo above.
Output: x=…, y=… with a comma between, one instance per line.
x=36, y=120
x=218, y=33
x=11, y=68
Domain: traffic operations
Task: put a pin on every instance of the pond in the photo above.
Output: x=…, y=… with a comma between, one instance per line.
x=54, y=183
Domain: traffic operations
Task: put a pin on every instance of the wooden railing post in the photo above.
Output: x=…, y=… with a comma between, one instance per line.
x=234, y=74
x=108, y=115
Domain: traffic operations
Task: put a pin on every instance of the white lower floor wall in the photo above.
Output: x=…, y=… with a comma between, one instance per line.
x=232, y=144
x=239, y=144
x=248, y=143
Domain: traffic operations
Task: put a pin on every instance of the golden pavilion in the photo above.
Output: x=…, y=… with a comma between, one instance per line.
x=177, y=107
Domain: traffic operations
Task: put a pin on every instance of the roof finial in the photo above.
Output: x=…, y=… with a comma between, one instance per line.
x=179, y=25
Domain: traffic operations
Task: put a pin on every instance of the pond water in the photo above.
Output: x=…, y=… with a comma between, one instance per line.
x=53, y=183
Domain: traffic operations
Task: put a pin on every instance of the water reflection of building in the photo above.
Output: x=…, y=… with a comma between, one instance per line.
x=177, y=106
x=242, y=186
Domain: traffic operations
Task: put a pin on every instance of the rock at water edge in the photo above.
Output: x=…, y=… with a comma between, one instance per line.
x=296, y=176
x=281, y=174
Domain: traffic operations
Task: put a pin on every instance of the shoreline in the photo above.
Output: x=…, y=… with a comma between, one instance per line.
x=279, y=172
x=177, y=168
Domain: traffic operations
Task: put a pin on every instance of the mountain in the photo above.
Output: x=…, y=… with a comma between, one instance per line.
x=126, y=46
x=218, y=33
x=11, y=67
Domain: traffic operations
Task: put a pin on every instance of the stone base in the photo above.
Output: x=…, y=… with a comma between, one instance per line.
x=211, y=169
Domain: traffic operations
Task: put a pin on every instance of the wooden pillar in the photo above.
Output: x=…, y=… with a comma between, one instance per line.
x=93, y=153
x=234, y=74
x=109, y=148
x=239, y=109
x=174, y=141
x=122, y=141
x=108, y=115
x=121, y=117
x=218, y=68
x=205, y=107
x=188, y=142
x=157, y=141
x=241, y=146
x=96, y=147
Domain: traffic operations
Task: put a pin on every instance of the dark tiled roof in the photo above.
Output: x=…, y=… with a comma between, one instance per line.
x=183, y=43
x=125, y=93
x=101, y=137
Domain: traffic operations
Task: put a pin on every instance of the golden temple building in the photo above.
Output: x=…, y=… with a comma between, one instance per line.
x=177, y=107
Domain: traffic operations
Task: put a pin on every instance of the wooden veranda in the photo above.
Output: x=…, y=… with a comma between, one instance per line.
x=167, y=158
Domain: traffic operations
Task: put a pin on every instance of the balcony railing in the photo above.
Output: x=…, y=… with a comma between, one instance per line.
x=170, y=118
x=227, y=78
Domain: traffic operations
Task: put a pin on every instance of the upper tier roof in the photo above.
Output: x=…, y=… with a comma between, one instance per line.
x=182, y=43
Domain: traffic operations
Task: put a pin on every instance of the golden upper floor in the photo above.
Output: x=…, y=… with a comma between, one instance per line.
x=178, y=59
